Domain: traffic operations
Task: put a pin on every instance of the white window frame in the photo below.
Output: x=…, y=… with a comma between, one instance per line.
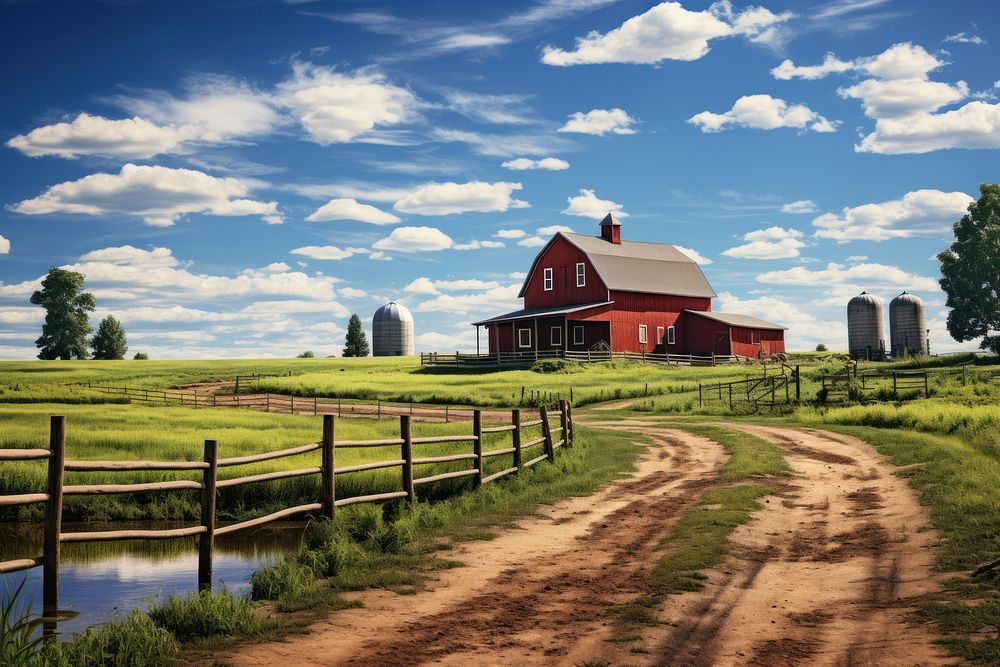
x=547, y=281
x=671, y=335
x=660, y=333
x=520, y=338
x=555, y=337
x=581, y=274
x=754, y=337
x=579, y=329
x=643, y=334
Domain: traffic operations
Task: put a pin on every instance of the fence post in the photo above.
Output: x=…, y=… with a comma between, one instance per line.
x=927, y=390
x=206, y=541
x=407, y=451
x=894, y=382
x=379, y=414
x=730, y=398
x=315, y=406
x=564, y=422
x=477, y=446
x=515, y=419
x=329, y=462
x=53, y=520
x=699, y=394
x=547, y=434
x=798, y=385
x=446, y=417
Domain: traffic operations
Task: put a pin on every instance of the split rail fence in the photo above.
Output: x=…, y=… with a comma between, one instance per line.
x=767, y=390
x=523, y=452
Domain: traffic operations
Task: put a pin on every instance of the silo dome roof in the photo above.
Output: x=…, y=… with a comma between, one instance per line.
x=865, y=299
x=392, y=312
x=906, y=297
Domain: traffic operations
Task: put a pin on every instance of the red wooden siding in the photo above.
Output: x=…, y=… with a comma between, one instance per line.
x=770, y=342
x=562, y=257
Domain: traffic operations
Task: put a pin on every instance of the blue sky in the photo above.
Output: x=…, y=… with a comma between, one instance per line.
x=236, y=178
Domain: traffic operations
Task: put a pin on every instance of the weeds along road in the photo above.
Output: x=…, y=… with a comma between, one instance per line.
x=827, y=573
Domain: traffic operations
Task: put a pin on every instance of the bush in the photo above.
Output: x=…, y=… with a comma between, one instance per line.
x=134, y=641
x=206, y=614
x=822, y=348
x=556, y=366
x=285, y=578
x=141, y=356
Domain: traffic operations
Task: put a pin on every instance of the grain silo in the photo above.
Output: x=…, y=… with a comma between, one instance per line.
x=865, y=327
x=392, y=331
x=907, y=326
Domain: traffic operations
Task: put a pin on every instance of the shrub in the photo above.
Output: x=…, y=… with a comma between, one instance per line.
x=206, y=614
x=285, y=578
x=556, y=366
x=141, y=356
x=133, y=641
x=822, y=348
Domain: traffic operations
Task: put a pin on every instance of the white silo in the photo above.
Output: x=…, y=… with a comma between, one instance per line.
x=907, y=326
x=865, y=327
x=392, y=331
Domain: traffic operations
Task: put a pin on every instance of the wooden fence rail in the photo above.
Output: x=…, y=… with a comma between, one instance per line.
x=209, y=485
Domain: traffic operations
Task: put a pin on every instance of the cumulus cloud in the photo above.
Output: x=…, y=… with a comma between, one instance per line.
x=874, y=274
x=769, y=243
x=805, y=329
x=130, y=138
x=476, y=245
x=450, y=198
x=900, y=61
x=532, y=242
x=496, y=298
x=831, y=65
x=127, y=254
x=424, y=285
x=158, y=195
x=350, y=209
x=764, y=112
x=415, y=239
x=4, y=246
x=599, y=122
x=694, y=254
x=547, y=163
x=330, y=252
x=799, y=206
x=510, y=234
x=917, y=213
x=589, y=205
x=667, y=31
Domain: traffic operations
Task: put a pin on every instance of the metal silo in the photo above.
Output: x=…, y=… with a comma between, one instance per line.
x=865, y=327
x=392, y=331
x=907, y=326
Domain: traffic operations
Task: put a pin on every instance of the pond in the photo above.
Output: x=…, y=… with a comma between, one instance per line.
x=99, y=580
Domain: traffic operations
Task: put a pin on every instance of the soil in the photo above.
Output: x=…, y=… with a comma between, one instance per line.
x=827, y=573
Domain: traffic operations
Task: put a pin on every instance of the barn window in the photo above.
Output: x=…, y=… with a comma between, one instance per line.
x=578, y=337
x=581, y=274
x=671, y=335
x=547, y=280
x=754, y=336
x=642, y=334
x=659, y=335
x=524, y=337
x=555, y=338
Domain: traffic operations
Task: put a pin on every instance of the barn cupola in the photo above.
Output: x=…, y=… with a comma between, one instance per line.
x=611, y=229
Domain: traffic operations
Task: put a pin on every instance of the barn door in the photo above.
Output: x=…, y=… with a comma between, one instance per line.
x=721, y=343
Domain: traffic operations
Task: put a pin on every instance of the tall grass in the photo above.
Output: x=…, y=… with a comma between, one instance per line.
x=19, y=639
x=206, y=614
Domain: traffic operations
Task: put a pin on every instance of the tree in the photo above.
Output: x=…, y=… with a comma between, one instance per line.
x=970, y=272
x=109, y=341
x=64, y=334
x=357, y=342
x=821, y=348
x=141, y=356
x=308, y=354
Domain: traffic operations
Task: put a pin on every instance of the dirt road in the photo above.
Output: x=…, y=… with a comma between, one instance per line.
x=825, y=574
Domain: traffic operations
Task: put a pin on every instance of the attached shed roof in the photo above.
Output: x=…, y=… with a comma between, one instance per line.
x=736, y=320
x=528, y=313
x=634, y=266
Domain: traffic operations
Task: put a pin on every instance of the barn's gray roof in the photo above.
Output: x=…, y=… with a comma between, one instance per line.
x=526, y=313
x=735, y=320
x=634, y=266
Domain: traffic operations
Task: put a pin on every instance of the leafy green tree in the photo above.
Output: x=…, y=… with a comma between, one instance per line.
x=970, y=272
x=357, y=342
x=64, y=334
x=109, y=341
x=141, y=356
x=821, y=348
x=308, y=354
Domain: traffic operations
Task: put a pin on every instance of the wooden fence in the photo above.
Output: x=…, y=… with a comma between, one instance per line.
x=766, y=390
x=552, y=438
x=457, y=359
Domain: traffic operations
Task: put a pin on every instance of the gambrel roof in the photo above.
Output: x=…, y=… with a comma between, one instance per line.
x=634, y=266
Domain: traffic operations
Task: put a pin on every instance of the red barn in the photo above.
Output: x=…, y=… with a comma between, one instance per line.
x=599, y=292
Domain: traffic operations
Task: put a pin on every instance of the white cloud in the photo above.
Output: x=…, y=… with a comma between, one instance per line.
x=965, y=38
x=159, y=195
x=380, y=256
x=350, y=209
x=335, y=107
x=805, y=329
x=854, y=259
x=920, y=212
x=126, y=254
x=21, y=315
x=352, y=292
x=450, y=198
x=694, y=254
x=599, y=122
x=532, y=242
x=874, y=274
x=494, y=299
x=4, y=246
x=667, y=31
x=415, y=239
x=131, y=138
x=330, y=252
x=424, y=285
x=770, y=243
x=476, y=245
x=900, y=61
x=831, y=65
x=510, y=234
x=505, y=145
x=588, y=205
x=421, y=286
x=549, y=230
x=799, y=206
x=548, y=164
x=498, y=109
x=764, y=112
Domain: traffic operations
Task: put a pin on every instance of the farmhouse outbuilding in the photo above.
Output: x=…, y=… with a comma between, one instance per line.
x=602, y=293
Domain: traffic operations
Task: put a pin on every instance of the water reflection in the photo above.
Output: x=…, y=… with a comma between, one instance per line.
x=100, y=579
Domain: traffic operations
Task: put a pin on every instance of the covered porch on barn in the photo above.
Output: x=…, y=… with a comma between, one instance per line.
x=538, y=333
